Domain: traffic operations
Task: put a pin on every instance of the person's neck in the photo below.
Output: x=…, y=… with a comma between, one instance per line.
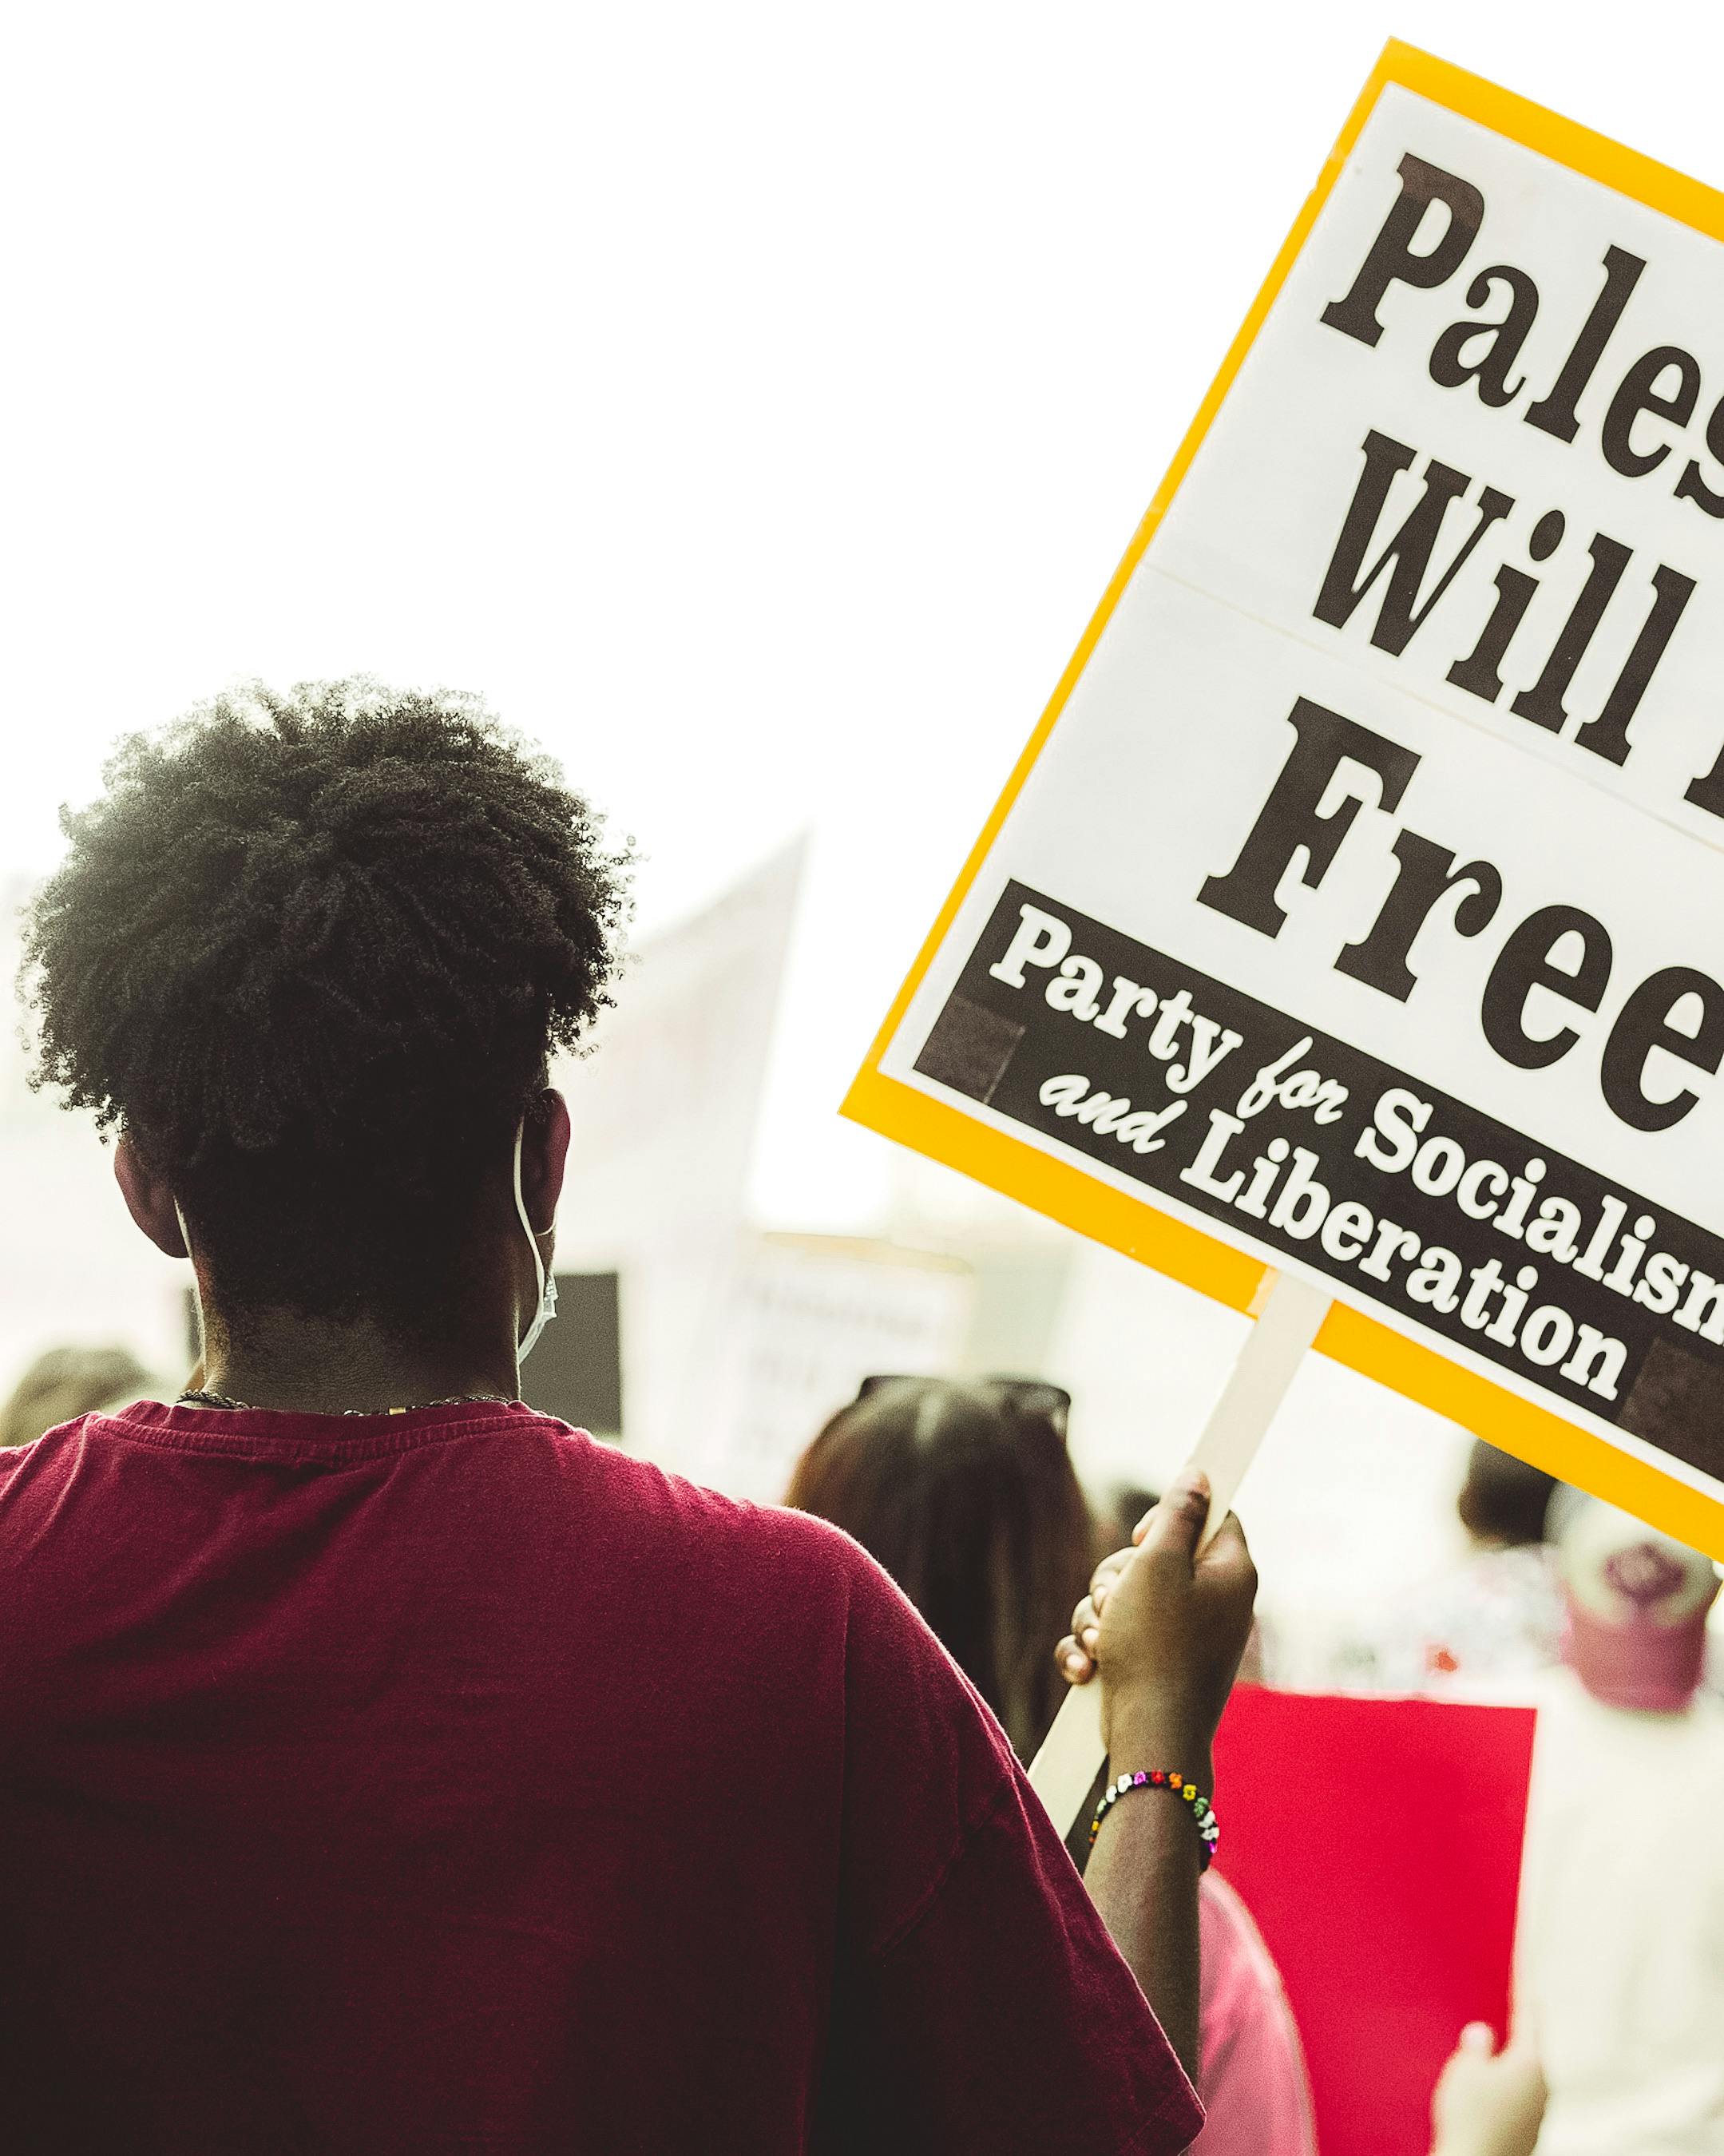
x=320, y=1366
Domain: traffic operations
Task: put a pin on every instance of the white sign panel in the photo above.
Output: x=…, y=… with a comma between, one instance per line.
x=1360, y=905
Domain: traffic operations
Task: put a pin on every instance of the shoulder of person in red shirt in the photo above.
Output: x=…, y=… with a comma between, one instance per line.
x=754, y=1868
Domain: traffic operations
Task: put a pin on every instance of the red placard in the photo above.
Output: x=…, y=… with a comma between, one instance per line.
x=1377, y=1844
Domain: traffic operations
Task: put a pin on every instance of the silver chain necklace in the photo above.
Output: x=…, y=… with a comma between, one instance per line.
x=205, y=1398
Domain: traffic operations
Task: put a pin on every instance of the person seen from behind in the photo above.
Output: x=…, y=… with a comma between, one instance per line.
x=1618, y=2048
x=353, y=1817
x=966, y=1494
x=1487, y=1627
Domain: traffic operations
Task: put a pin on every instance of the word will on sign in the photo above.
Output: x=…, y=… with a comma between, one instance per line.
x=1354, y=911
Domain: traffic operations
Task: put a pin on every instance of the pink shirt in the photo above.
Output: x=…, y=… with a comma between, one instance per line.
x=1253, y=2079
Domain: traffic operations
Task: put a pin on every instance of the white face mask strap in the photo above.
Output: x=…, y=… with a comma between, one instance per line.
x=197, y=1291
x=521, y=1209
x=546, y=1308
x=546, y=1305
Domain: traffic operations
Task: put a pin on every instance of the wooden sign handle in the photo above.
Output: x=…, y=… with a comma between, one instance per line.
x=1289, y=1314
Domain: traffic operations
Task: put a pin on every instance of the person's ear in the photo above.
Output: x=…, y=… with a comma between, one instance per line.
x=544, y=1155
x=149, y=1200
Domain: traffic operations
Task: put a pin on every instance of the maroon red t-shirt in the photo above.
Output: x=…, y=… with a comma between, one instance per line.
x=449, y=1781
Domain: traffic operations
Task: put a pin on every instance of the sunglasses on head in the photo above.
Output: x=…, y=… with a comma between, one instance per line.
x=1027, y=1395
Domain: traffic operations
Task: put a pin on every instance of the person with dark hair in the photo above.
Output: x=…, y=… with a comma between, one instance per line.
x=1488, y=1627
x=966, y=1494
x=1497, y=1621
x=310, y=955
x=343, y=1811
x=1504, y=1503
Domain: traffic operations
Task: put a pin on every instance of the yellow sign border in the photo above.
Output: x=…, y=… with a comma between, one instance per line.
x=1066, y=1193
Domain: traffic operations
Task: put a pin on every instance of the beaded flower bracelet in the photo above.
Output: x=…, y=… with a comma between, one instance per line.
x=1202, y=1812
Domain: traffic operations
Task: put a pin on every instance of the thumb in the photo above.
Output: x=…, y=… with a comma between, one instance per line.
x=1480, y=2038
x=1226, y=1550
x=1177, y=1524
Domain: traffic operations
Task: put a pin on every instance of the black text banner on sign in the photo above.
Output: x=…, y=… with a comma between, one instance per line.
x=1357, y=909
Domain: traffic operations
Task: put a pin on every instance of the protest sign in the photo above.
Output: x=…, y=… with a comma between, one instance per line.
x=663, y=1142
x=1351, y=914
x=803, y=1320
x=1391, y=1937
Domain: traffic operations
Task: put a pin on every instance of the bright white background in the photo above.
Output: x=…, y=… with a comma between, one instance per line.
x=752, y=401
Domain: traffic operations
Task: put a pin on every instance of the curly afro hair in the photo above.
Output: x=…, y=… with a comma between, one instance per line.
x=312, y=952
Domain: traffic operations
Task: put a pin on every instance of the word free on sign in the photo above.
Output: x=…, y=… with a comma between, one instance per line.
x=1356, y=910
